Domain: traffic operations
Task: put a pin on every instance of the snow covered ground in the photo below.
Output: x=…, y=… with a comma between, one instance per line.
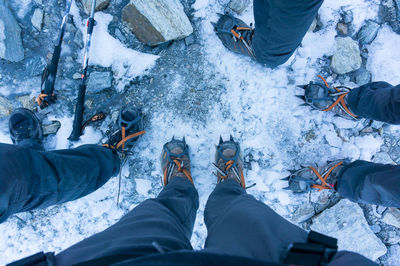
x=256, y=105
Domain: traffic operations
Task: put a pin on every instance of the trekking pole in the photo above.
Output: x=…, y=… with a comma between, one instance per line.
x=47, y=95
x=79, y=108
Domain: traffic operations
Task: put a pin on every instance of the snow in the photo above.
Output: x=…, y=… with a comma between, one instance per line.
x=257, y=106
x=383, y=59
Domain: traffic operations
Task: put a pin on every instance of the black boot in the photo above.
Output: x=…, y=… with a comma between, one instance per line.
x=235, y=35
x=26, y=129
x=126, y=131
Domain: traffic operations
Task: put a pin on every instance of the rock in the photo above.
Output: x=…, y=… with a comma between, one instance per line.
x=37, y=19
x=392, y=238
x=375, y=228
x=303, y=213
x=392, y=257
x=39, y=2
x=368, y=32
x=154, y=22
x=27, y=102
x=119, y=35
x=389, y=11
x=382, y=157
x=346, y=57
x=238, y=5
x=189, y=40
x=362, y=76
x=313, y=25
x=377, y=124
x=99, y=81
x=342, y=28
x=11, y=47
x=76, y=76
x=51, y=128
x=100, y=5
x=346, y=221
x=392, y=217
x=5, y=107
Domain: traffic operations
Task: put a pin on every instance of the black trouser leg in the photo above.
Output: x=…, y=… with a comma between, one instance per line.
x=280, y=26
x=166, y=221
x=240, y=225
x=371, y=183
x=32, y=179
x=376, y=100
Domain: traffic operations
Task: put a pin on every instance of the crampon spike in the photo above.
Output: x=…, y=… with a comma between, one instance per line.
x=220, y=140
x=214, y=25
x=231, y=138
x=220, y=15
x=285, y=178
x=286, y=188
x=173, y=137
x=301, y=97
x=302, y=86
x=184, y=141
x=303, y=104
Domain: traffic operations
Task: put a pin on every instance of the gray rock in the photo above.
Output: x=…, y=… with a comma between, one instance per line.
x=362, y=76
x=189, y=40
x=154, y=22
x=51, y=128
x=119, y=35
x=238, y=5
x=368, y=32
x=346, y=221
x=375, y=228
x=382, y=157
x=392, y=257
x=377, y=124
x=389, y=12
x=99, y=81
x=39, y=2
x=5, y=107
x=37, y=19
x=76, y=76
x=27, y=102
x=392, y=238
x=11, y=47
x=303, y=213
x=392, y=217
x=100, y=5
x=346, y=57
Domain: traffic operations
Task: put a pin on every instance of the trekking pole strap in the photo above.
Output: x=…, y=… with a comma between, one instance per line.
x=318, y=250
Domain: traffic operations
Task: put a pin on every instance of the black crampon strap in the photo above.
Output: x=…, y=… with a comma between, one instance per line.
x=319, y=250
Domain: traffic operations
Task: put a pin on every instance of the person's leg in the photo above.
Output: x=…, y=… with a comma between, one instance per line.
x=376, y=100
x=156, y=225
x=371, y=183
x=280, y=26
x=238, y=224
x=32, y=179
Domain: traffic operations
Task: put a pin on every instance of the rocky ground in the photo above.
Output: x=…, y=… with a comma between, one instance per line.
x=195, y=87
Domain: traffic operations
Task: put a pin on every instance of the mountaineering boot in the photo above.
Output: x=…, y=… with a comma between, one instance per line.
x=228, y=162
x=175, y=160
x=25, y=129
x=235, y=34
x=319, y=177
x=324, y=98
x=127, y=130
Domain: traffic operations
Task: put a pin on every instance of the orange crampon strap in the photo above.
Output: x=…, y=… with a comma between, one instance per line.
x=229, y=165
x=124, y=140
x=42, y=97
x=323, y=179
x=96, y=117
x=340, y=100
x=180, y=169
